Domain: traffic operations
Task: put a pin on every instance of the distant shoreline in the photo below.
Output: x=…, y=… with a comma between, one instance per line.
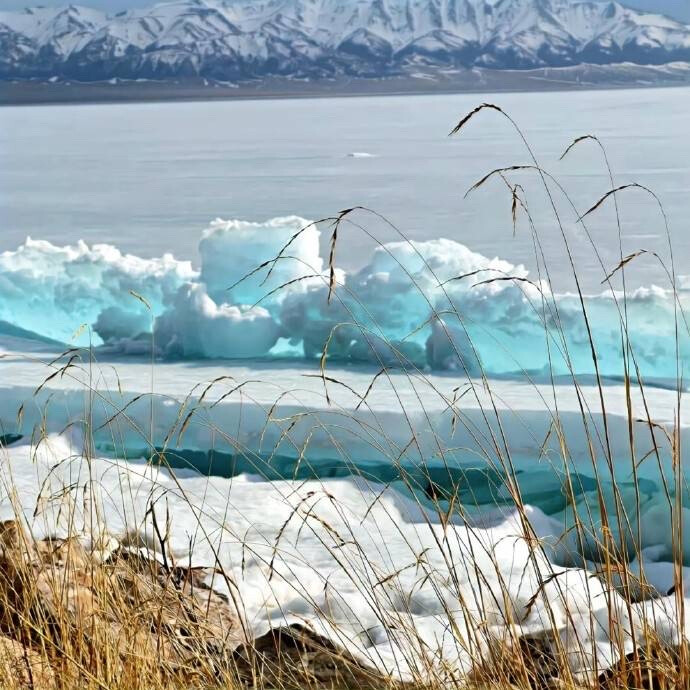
x=580, y=78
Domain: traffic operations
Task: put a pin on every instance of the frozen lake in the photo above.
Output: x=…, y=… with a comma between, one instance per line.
x=405, y=431
x=149, y=177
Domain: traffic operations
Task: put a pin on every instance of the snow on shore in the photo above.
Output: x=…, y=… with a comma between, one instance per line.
x=343, y=539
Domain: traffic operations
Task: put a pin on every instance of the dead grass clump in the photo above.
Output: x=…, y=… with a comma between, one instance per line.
x=73, y=619
x=125, y=621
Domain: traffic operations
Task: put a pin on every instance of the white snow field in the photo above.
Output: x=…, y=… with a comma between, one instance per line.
x=344, y=538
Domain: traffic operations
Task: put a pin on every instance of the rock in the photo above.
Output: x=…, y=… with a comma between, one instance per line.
x=9, y=534
x=296, y=657
x=179, y=600
x=120, y=603
x=24, y=666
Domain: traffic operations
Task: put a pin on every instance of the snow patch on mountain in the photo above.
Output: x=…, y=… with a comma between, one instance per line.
x=244, y=39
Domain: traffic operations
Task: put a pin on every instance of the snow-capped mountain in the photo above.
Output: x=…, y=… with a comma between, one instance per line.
x=243, y=39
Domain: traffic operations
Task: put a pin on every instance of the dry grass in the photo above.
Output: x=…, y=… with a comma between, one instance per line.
x=76, y=618
x=73, y=620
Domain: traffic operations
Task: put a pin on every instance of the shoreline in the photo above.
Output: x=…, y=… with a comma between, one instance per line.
x=620, y=77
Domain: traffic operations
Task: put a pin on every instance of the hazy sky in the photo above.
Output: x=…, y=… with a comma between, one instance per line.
x=676, y=8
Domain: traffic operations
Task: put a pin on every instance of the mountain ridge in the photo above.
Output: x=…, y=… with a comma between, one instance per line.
x=240, y=40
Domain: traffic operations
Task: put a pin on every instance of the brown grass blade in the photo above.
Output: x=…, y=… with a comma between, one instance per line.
x=497, y=171
x=143, y=300
x=610, y=193
x=471, y=114
x=577, y=141
x=623, y=263
x=369, y=387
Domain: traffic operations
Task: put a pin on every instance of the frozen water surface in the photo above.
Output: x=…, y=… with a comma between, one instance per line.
x=350, y=535
x=149, y=177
